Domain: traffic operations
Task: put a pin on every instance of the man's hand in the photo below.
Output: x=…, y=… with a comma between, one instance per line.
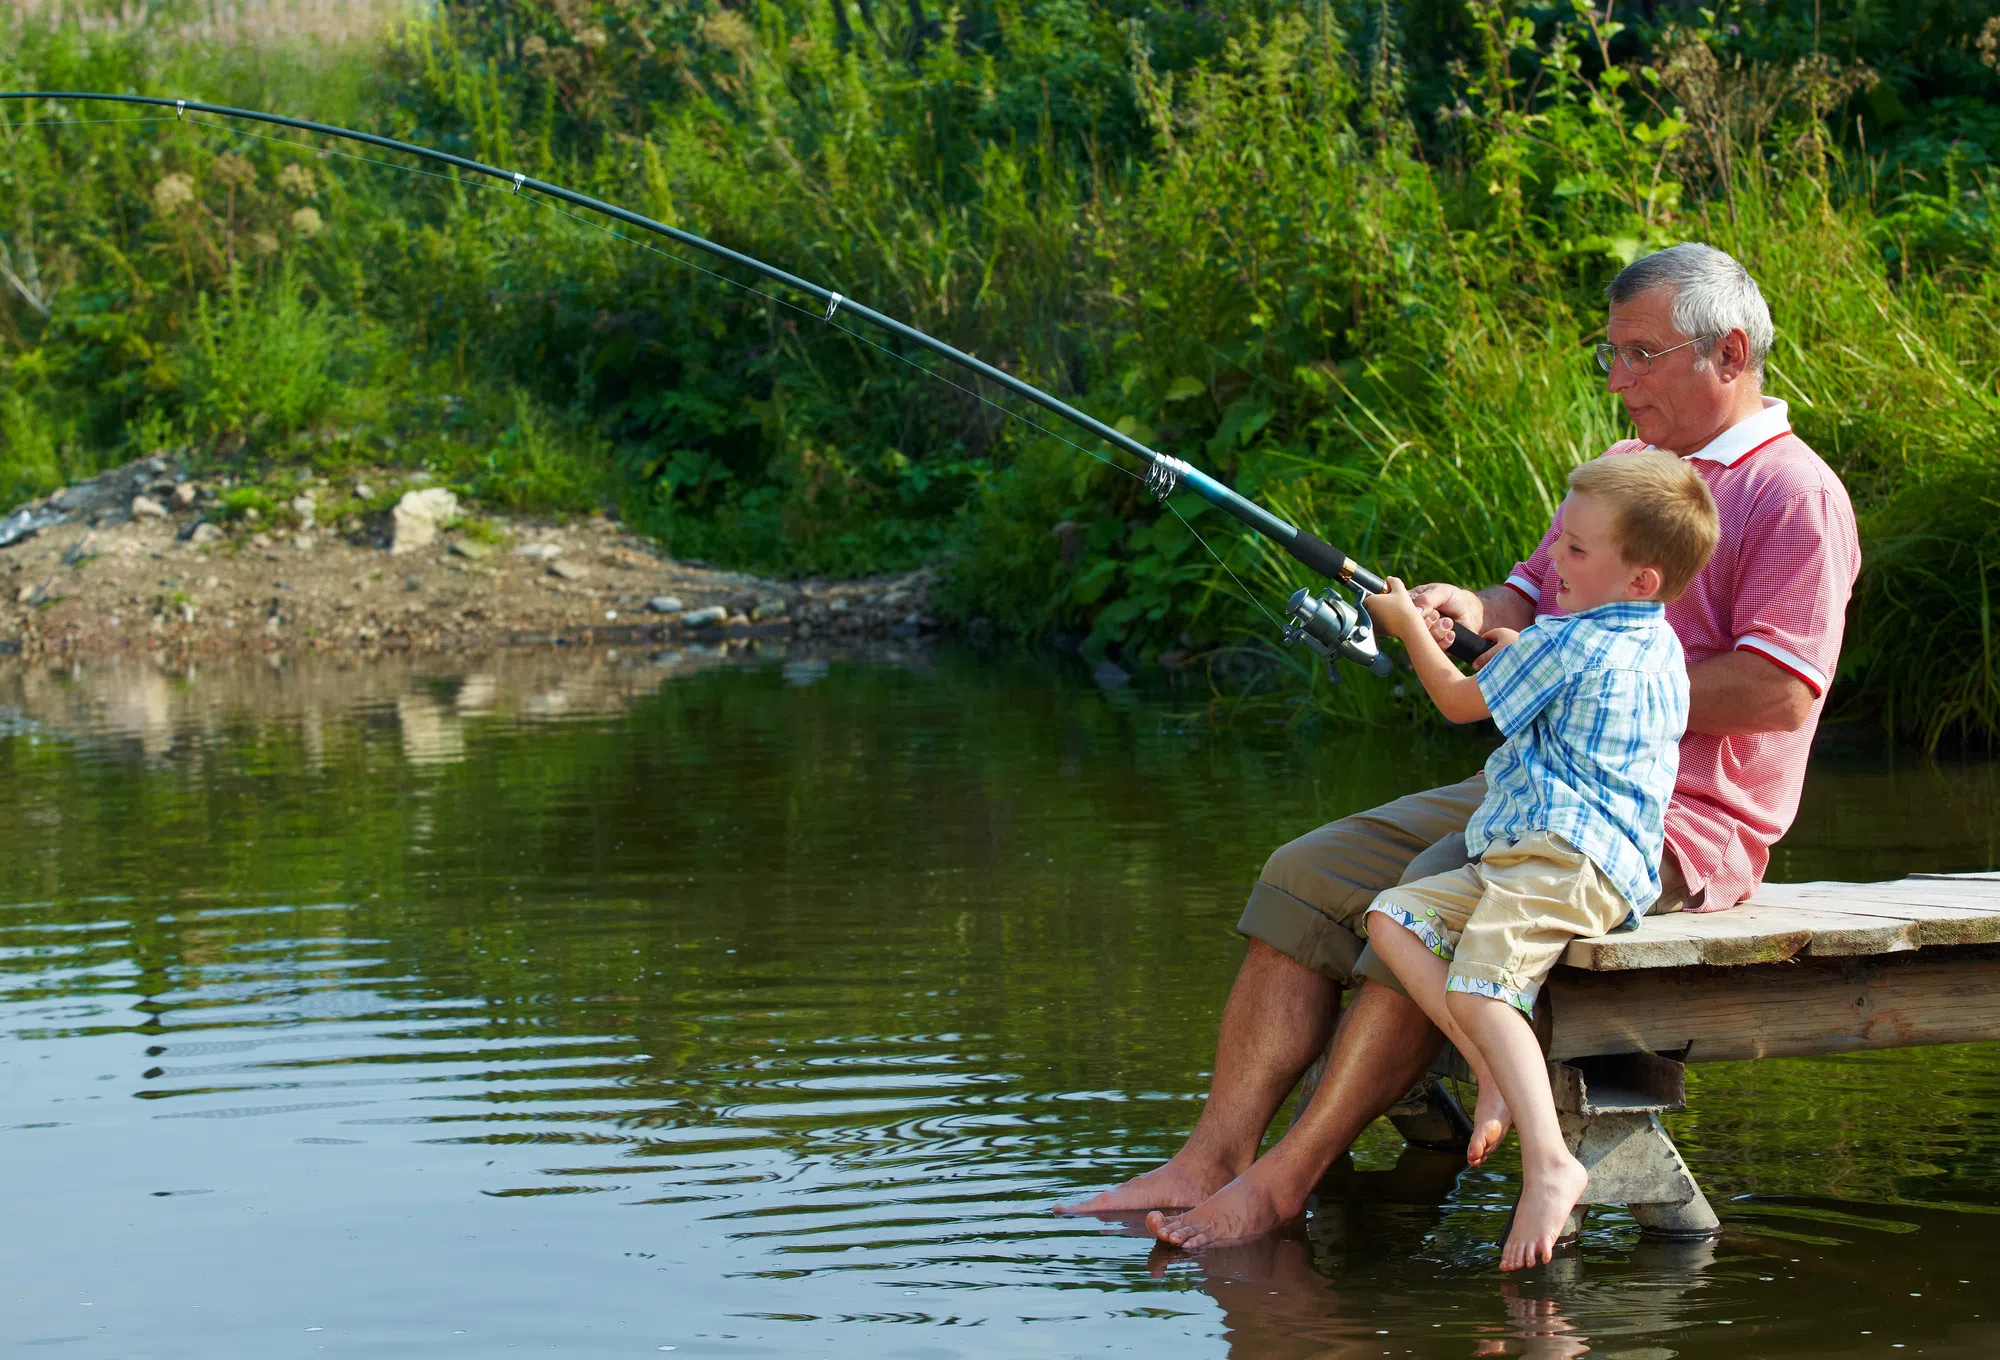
x=1443, y=603
x=1394, y=612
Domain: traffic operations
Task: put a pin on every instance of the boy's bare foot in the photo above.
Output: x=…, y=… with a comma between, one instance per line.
x=1547, y=1196
x=1244, y=1208
x=1490, y=1121
x=1180, y=1184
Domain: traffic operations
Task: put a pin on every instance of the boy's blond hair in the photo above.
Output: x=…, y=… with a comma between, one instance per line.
x=1661, y=513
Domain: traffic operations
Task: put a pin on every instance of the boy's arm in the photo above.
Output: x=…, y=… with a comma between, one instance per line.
x=1456, y=696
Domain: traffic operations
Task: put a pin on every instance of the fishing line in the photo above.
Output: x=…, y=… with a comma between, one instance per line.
x=928, y=372
x=81, y=122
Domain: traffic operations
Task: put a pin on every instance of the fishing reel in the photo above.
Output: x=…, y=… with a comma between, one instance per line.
x=1334, y=627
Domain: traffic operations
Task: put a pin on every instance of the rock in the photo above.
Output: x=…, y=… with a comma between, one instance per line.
x=839, y=606
x=739, y=620
x=711, y=617
x=252, y=514
x=665, y=604
x=145, y=507
x=184, y=495
x=302, y=542
x=302, y=506
x=569, y=571
x=417, y=518
x=471, y=549
x=539, y=552
x=363, y=491
x=1110, y=675
x=768, y=609
x=204, y=534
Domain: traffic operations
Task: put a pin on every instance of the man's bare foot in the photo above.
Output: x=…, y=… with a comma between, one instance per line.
x=1180, y=1184
x=1546, y=1199
x=1246, y=1207
x=1490, y=1121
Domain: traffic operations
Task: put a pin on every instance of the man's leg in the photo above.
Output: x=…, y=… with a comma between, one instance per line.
x=1302, y=947
x=1274, y=1024
x=1382, y=1046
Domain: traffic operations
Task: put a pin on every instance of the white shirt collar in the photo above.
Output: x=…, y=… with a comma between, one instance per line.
x=1729, y=447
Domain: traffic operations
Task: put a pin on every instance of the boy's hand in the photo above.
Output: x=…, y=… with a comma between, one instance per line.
x=1393, y=610
x=1499, y=637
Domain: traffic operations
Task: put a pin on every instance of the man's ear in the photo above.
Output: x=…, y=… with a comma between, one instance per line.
x=1645, y=584
x=1732, y=355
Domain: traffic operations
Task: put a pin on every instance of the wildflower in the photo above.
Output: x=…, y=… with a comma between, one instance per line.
x=726, y=29
x=535, y=47
x=175, y=191
x=306, y=222
x=264, y=243
x=232, y=169
x=297, y=179
x=593, y=37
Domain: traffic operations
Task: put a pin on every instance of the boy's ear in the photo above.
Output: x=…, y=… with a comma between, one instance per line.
x=1645, y=584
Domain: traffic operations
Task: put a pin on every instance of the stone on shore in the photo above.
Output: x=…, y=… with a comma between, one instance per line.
x=710, y=617
x=568, y=571
x=145, y=507
x=665, y=604
x=418, y=516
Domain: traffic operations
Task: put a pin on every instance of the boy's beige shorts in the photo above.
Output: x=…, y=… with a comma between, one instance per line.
x=1309, y=902
x=1506, y=918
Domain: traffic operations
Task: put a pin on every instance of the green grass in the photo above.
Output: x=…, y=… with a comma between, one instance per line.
x=1353, y=269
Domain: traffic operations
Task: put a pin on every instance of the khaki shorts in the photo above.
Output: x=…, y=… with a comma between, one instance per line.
x=1310, y=900
x=1504, y=920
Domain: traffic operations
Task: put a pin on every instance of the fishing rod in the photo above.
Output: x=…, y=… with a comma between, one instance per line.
x=1329, y=623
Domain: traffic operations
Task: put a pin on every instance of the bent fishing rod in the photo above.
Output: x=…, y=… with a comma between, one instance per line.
x=1328, y=623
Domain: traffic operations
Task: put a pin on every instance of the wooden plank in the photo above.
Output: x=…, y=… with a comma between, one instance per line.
x=1785, y=921
x=1809, y=1006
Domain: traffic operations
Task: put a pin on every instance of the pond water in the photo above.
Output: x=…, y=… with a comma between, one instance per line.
x=747, y=1006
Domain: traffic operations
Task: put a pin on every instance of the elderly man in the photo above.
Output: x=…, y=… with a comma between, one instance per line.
x=1761, y=627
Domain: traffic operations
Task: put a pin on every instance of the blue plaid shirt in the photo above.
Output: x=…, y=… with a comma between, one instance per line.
x=1593, y=706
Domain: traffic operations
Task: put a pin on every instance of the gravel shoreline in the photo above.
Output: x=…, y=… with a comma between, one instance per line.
x=136, y=562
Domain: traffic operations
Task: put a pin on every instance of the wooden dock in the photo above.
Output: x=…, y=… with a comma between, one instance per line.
x=1800, y=969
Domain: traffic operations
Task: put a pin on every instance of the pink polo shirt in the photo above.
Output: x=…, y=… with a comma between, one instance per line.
x=1777, y=586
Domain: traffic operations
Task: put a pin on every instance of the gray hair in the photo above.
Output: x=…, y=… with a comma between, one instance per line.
x=1713, y=295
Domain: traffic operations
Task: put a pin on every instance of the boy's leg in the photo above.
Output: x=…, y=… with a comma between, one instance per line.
x=1540, y=894
x=1414, y=928
x=1552, y=1180
x=1422, y=974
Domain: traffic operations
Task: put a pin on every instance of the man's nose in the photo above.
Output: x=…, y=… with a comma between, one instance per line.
x=1619, y=379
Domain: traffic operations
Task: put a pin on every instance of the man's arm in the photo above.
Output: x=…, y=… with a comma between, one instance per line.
x=1738, y=693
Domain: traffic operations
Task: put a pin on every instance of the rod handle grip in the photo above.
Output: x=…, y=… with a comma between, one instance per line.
x=1467, y=645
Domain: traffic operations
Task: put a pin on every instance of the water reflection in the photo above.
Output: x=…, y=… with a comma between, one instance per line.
x=764, y=1003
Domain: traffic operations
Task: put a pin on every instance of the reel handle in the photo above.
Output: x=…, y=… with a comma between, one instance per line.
x=1467, y=645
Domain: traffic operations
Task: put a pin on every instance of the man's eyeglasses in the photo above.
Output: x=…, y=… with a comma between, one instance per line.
x=1639, y=361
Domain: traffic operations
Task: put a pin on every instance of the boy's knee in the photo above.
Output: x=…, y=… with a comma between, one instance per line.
x=1466, y=1006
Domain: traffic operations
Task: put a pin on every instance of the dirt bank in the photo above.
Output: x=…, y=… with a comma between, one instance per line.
x=151, y=561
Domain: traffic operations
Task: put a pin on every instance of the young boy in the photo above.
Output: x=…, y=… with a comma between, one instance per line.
x=1568, y=840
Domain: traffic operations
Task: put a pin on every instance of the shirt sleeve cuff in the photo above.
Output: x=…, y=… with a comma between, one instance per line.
x=1528, y=589
x=1785, y=660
